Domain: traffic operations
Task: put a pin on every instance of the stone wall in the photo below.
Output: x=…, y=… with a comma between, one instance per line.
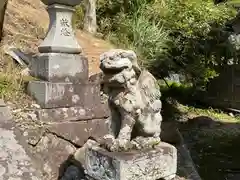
x=224, y=90
x=3, y=5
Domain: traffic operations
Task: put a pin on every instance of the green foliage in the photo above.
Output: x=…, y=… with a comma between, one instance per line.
x=233, y=2
x=133, y=30
x=182, y=92
x=183, y=36
x=148, y=39
x=78, y=17
x=199, y=42
x=191, y=18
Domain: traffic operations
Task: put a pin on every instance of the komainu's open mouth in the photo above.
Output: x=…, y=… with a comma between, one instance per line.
x=111, y=70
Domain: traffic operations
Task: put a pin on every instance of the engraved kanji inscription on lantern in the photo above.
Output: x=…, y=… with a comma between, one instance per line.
x=65, y=27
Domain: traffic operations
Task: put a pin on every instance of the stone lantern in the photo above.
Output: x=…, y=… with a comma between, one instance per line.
x=62, y=68
x=70, y=101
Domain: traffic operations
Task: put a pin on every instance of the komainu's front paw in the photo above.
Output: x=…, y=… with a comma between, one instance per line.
x=108, y=141
x=145, y=142
x=120, y=145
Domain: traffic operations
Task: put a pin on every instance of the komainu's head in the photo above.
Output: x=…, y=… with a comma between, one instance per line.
x=119, y=67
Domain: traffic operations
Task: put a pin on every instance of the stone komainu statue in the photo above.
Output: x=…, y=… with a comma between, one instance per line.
x=134, y=101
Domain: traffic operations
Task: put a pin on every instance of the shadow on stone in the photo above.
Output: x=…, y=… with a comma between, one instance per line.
x=71, y=169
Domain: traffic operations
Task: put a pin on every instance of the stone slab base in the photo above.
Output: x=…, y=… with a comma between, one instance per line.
x=62, y=95
x=152, y=164
x=60, y=67
x=73, y=113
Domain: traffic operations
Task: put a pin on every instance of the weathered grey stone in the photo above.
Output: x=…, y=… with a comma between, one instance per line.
x=79, y=132
x=134, y=100
x=5, y=114
x=60, y=67
x=60, y=37
x=73, y=113
x=80, y=154
x=57, y=95
x=33, y=136
x=64, y=2
x=134, y=126
x=53, y=154
x=152, y=164
x=15, y=163
x=76, y=170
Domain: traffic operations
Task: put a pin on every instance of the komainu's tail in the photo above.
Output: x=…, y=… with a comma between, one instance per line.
x=148, y=87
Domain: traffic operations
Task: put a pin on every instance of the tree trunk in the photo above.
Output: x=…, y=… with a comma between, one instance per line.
x=3, y=7
x=90, y=22
x=125, y=5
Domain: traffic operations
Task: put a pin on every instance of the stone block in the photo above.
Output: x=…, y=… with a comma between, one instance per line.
x=57, y=95
x=60, y=37
x=153, y=164
x=5, y=114
x=60, y=67
x=52, y=154
x=79, y=132
x=73, y=113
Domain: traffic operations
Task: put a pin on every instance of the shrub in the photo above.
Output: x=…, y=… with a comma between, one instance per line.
x=78, y=17
x=199, y=40
x=182, y=36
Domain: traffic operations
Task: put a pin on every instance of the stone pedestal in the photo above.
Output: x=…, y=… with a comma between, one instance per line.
x=151, y=164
